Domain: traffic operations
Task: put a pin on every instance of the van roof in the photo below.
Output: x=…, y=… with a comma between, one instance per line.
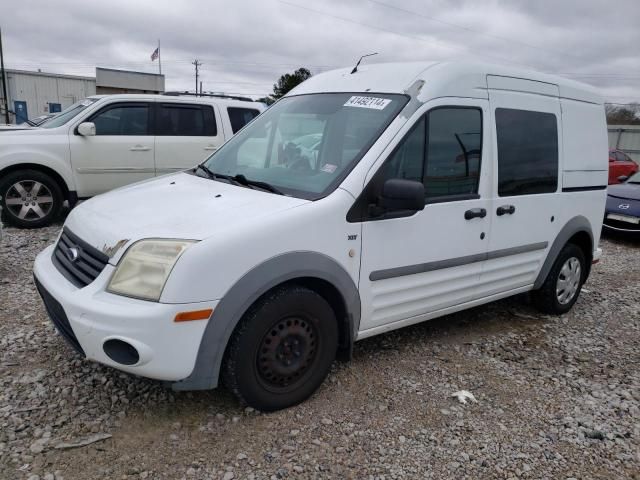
x=441, y=79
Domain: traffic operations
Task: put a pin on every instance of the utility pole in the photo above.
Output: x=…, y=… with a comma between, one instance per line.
x=197, y=64
x=4, y=83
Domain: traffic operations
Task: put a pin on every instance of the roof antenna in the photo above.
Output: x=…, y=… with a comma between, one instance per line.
x=355, y=69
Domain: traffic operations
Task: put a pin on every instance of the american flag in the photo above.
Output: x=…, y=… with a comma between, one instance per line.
x=155, y=54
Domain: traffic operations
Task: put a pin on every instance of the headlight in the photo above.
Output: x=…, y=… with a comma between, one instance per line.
x=145, y=267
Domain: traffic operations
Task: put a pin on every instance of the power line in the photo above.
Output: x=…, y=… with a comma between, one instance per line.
x=39, y=64
x=474, y=30
x=31, y=63
x=412, y=37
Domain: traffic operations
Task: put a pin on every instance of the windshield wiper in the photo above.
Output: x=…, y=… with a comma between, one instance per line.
x=255, y=183
x=206, y=170
x=214, y=176
x=238, y=180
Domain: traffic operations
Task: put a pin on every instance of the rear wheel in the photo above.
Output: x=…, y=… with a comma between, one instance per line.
x=282, y=349
x=30, y=198
x=562, y=286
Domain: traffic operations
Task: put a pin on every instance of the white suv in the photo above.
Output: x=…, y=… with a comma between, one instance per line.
x=104, y=142
x=359, y=203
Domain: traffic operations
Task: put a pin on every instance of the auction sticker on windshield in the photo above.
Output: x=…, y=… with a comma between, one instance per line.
x=368, y=102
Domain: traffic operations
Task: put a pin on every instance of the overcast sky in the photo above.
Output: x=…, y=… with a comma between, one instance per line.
x=245, y=45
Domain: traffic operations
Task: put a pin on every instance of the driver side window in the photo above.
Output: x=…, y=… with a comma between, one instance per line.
x=122, y=119
x=442, y=150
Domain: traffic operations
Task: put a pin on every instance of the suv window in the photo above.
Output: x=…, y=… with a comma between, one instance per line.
x=180, y=120
x=122, y=119
x=443, y=151
x=527, y=152
x=239, y=117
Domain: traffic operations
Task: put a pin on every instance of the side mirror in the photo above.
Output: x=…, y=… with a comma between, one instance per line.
x=87, y=129
x=623, y=178
x=402, y=195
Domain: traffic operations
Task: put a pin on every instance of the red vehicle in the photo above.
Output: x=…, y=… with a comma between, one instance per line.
x=620, y=164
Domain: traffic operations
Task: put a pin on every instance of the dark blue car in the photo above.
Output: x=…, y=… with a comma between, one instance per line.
x=622, y=213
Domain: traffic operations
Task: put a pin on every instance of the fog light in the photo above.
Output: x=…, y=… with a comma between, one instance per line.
x=121, y=352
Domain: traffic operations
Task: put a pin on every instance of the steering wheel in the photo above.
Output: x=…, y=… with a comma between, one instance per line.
x=294, y=159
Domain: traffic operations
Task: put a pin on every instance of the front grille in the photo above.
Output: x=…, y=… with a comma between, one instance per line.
x=78, y=261
x=58, y=317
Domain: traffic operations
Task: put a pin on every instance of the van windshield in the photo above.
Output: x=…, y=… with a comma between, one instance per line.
x=68, y=113
x=306, y=145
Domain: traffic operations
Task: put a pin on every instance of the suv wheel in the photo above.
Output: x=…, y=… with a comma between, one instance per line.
x=30, y=199
x=562, y=286
x=282, y=349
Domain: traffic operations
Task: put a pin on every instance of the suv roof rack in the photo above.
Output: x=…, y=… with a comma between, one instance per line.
x=214, y=95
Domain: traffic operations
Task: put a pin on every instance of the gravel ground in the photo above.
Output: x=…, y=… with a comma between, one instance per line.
x=557, y=397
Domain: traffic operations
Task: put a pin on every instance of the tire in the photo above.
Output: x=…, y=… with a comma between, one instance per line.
x=21, y=205
x=282, y=349
x=562, y=286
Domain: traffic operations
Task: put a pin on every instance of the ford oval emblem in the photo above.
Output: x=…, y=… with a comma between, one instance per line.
x=624, y=206
x=72, y=254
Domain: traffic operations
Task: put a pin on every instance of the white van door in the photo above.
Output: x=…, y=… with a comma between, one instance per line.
x=186, y=134
x=417, y=265
x=121, y=152
x=526, y=210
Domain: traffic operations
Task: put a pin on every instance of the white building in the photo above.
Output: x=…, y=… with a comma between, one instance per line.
x=31, y=94
x=626, y=138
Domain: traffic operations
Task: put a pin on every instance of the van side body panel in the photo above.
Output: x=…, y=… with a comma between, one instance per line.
x=586, y=148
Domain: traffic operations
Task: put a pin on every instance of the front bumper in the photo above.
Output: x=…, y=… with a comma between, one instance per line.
x=620, y=228
x=88, y=317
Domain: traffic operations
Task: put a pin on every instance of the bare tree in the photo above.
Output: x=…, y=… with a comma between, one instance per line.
x=623, y=114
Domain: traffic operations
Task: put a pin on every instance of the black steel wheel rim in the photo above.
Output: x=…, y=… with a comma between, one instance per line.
x=287, y=352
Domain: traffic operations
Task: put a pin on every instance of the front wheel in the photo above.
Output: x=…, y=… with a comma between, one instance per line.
x=562, y=286
x=30, y=198
x=282, y=349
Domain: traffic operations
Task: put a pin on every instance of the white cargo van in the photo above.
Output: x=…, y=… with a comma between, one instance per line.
x=357, y=204
x=107, y=141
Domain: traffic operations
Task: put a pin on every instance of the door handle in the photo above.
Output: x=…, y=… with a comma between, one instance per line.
x=140, y=148
x=475, y=212
x=505, y=210
x=211, y=147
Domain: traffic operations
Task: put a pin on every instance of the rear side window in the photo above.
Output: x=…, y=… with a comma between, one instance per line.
x=239, y=117
x=527, y=152
x=122, y=119
x=183, y=120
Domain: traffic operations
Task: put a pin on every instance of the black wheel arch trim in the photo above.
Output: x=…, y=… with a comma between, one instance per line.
x=576, y=225
x=258, y=281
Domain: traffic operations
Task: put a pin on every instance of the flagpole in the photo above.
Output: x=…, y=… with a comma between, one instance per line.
x=159, y=61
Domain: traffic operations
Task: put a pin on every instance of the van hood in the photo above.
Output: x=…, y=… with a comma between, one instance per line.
x=181, y=206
